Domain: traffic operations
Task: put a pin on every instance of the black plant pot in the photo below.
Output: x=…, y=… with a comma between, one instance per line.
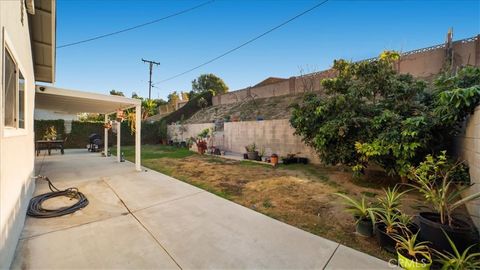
x=252, y=155
x=245, y=156
x=462, y=233
x=303, y=160
x=289, y=160
x=364, y=227
x=384, y=240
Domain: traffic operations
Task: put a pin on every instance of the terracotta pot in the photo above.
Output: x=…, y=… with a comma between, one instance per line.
x=274, y=160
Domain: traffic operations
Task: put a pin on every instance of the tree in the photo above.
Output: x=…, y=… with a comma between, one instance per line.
x=114, y=92
x=135, y=95
x=149, y=108
x=371, y=114
x=209, y=82
x=185, y=95
x=173, y=98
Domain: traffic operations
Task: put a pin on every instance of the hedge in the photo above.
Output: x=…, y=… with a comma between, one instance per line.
x=78, y=137
x=41, y=126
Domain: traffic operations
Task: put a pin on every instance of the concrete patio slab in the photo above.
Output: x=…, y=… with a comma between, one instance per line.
x=149, y=189
x=171, y=224
x=116, y=243
x=205, y=231
x=103, y=204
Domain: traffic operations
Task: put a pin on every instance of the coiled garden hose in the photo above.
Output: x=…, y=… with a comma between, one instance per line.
x=36, y=210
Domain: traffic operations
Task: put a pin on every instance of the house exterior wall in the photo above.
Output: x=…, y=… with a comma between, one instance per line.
x=468, y=149
x=422, y=63
x=16, y=146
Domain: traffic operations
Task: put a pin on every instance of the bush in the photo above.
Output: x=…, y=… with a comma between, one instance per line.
x=369, y=113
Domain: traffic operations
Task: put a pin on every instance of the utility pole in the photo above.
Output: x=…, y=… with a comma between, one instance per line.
x=151, y=63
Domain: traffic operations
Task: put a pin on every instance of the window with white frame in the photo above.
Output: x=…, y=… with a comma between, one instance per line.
x=14, y=94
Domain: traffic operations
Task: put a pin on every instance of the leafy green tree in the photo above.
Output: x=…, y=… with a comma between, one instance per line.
x=371, y=114
x=114, y=92
x=209, y=82
x=173, y=98
x=149, y=108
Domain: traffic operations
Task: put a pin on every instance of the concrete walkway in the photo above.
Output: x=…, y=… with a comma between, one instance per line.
x=147, y=220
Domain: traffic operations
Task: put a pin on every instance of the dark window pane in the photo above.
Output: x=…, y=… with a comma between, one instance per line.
x=10, y=102
x=21, y=100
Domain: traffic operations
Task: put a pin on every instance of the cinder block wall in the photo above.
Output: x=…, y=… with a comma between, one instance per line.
x=192, y=130
x=468, y=149
x=276, y=136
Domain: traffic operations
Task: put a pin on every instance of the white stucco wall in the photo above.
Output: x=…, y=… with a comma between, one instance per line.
x=16, y=146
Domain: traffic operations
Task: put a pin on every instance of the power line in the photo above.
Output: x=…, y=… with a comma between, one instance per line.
x=247, y=42
x=136, y=26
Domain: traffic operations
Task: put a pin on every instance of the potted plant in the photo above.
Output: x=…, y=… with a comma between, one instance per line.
x=252, y=152
x=412, y=255
x=389, y=220
x=362, y=214
x=261, y=153
x=274, y=159
x=50, y=134
x=432, y=179
x=458, y=260
x=201, y=141
x=289, y=159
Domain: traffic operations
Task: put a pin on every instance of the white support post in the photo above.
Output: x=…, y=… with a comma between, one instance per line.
x=105, y=137
x=138, y=129
x=119, y=128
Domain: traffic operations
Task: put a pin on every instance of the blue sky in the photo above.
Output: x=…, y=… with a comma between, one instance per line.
x=339, y=29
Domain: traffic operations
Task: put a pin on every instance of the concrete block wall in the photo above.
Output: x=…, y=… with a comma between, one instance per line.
x=468, y=149
x=192, y=130
x=276, y=136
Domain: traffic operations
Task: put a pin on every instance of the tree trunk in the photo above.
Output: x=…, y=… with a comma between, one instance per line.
x=404, y=179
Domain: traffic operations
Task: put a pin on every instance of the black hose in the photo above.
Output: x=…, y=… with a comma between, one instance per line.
x=35, y=208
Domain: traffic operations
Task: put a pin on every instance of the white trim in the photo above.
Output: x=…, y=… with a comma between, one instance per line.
x=138, y=137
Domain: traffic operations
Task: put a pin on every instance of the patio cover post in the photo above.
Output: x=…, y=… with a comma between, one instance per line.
x=138, y=129
x=105, y=138
x=119, y=128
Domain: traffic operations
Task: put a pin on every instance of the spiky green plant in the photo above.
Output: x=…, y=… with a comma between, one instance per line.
x=457, y=260
x=408, y=243
x=391, y=219
x=391, y=201
x=358, y=208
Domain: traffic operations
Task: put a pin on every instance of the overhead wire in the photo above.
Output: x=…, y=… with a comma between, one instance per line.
x=136, y=26
x=246, y=42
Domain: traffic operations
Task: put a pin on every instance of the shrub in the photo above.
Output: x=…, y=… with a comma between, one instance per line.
x=369, y=113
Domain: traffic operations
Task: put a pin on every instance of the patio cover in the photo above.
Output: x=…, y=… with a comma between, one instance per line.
x=73, y=102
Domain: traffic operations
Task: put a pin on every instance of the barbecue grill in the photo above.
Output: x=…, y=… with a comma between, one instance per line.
x=95, y=143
